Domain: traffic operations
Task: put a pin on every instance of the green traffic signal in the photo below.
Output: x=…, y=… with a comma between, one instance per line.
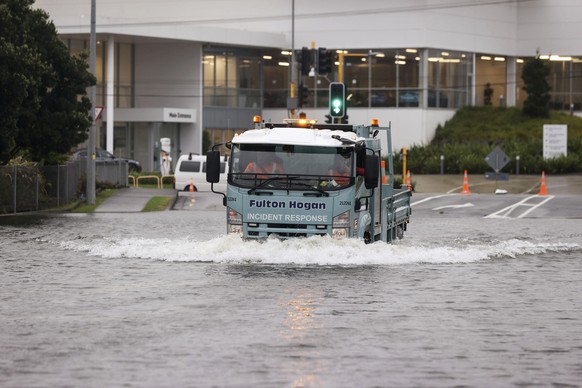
x=337, y=99
x=336, y=106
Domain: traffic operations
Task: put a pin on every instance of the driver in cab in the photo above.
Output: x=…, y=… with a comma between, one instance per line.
x=267, y=163
x=340, y=171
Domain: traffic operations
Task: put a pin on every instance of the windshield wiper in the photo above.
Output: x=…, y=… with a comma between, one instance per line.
x=272, y=179
x=320, y=191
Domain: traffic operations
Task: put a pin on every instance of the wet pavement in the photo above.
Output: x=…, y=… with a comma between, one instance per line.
x=134, y=199
x=517, y=184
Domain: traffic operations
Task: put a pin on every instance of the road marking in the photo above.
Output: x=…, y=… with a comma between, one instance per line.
x=428, y=199
x=454, y=206
x=505, y=212
x=536, y=206
x=457, y=190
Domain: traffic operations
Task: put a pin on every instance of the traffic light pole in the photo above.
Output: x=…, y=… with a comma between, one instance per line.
x=293, y=84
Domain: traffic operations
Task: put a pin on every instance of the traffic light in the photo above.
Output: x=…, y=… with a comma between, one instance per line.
x=337, y=99
x=302, y=95
x=305, y=61
x=324, y=61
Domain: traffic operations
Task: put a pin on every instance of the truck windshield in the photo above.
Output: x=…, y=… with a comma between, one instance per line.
x=294, y=167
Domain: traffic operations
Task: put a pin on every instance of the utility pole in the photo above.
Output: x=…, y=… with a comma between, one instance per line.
x=92, y=97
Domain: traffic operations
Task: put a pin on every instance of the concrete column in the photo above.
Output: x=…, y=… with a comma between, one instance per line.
x=511, y=77
x=423, y=102
x=423, y=54
x=153, y=146
x=474, y=80
x=110, y=100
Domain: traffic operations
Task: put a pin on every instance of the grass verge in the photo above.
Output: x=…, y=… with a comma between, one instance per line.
x=156, y=204
x=100, y=198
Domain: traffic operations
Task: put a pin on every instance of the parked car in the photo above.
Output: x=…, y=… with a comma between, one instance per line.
x=102, y=155
x=410, y=98
x=191, y=168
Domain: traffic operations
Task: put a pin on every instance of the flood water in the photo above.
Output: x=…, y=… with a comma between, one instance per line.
x=166, y=299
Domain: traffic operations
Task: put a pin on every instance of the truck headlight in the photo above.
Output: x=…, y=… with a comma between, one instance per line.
x=342, y=220
x=340, y=225
x=233, y=217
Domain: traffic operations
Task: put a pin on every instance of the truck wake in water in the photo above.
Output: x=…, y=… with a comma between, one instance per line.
x=312, y=251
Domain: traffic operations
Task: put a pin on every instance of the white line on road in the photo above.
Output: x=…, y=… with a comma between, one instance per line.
x=428, y=199
x=505, y=212
x=454, y=206
x=550, y=197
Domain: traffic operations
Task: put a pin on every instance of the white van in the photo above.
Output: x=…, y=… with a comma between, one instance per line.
x=191, y=168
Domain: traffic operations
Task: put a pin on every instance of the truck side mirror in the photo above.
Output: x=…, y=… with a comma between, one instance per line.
x=212, y=166
x=371, y=171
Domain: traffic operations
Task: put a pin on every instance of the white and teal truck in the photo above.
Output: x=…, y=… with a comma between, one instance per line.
x=330, y=180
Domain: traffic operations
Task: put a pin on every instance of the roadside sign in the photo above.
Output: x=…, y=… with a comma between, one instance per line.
x=98, y=111
x=555, y=140
x=497, y=159
x=497, y=176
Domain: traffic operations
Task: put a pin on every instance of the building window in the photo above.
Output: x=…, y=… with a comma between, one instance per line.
x=373, y=78
x=449, y=79
x=356, y=76
x=276, y=70
x=576, y=83
x=232, y=78
x=564, y=79
x=213, y=136
x=124, y=75
x=249, y=82
x=490, y=80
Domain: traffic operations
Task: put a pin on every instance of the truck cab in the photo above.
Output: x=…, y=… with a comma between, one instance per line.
x=300, y=179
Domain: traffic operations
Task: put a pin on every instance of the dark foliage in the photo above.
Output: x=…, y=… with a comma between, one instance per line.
x=534, y=75
x=44, y=110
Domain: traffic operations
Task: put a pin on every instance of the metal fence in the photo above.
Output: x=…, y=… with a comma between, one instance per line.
x=24, y=189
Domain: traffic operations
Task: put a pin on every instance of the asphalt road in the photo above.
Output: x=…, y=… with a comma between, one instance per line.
x=434, y=194
x=497, y=206
x=447, y=205
x=517, y=184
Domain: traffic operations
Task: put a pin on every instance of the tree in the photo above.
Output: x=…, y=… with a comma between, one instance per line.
x=534, y=75
x=44, y=109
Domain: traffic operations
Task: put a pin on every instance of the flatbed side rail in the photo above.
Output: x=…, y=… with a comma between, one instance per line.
x=401, y=204
x=397, y=213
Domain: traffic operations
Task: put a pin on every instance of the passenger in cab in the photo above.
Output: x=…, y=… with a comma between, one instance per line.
x=267, y=163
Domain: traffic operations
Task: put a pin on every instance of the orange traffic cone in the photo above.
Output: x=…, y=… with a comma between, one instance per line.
x=543, y=190
x=408, y=185
x=383, y=164
x=191, y=185
x=466, y=184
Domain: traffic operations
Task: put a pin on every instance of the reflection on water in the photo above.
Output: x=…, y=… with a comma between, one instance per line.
x=22, y=220
x=300, y=315
x=169, y=300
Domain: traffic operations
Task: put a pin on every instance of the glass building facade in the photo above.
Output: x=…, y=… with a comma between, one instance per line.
x=252, y=79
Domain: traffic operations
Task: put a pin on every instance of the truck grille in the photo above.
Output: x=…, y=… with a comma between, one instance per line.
x=285, y=230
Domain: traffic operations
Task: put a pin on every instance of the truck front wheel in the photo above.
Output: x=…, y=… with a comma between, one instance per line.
x=400, y=232
x=367, y=237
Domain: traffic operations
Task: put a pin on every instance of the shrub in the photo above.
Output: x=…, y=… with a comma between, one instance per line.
x=467, y=138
